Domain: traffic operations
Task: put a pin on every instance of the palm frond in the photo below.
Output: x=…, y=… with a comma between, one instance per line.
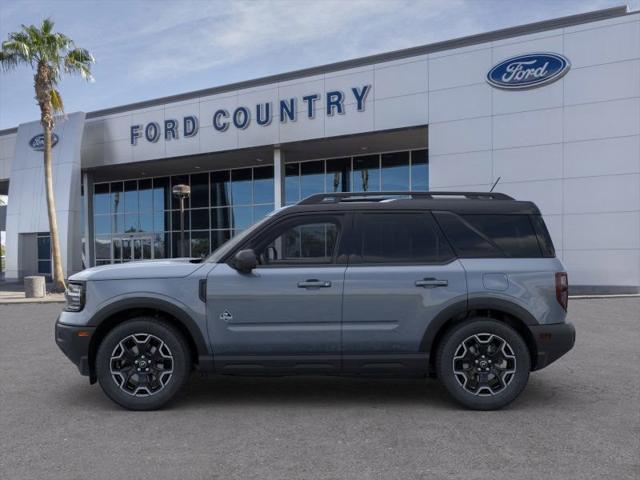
x=56, y=101
x=79, y=61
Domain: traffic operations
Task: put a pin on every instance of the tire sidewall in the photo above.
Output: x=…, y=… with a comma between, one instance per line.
x=449, y=345
x=166, y=333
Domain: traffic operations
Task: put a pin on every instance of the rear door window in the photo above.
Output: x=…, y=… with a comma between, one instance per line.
x=490, y=235
x=399, y=238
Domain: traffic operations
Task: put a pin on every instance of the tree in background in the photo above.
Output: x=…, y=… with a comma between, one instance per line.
x=50, y=54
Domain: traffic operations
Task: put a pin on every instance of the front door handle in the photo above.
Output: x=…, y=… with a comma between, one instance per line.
x=431, y=283
x=313, y=283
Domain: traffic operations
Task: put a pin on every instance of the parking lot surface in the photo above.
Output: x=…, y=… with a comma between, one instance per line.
x=577, y=419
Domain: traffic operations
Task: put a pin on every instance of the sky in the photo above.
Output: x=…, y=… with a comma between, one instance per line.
x=150, y=49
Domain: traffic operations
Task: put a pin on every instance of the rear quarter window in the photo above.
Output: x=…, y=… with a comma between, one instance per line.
x=491, y=235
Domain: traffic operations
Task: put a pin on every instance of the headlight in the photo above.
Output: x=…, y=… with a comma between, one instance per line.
x=74, y=296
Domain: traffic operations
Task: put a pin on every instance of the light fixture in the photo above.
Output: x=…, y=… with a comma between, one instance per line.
x=197, y=167
x=259, y=160
x=364, y=148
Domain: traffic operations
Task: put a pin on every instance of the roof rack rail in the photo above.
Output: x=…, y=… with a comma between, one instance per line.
x=320, y=198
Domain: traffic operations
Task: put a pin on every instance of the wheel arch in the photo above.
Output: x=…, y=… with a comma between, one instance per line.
x=502, y=310
x=123, y=310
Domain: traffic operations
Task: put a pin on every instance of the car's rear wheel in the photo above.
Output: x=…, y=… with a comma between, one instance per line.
x=142, y=363
x=483, y=363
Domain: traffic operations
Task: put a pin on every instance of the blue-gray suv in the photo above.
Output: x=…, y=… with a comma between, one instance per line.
x=462, y=286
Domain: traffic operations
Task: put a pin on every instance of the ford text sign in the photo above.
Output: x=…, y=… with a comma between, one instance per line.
x=37, y=142
x=528, y=71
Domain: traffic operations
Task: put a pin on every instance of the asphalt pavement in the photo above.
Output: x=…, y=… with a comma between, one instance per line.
x=577, y=419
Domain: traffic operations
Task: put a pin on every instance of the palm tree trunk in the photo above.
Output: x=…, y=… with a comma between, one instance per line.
x=58, y=275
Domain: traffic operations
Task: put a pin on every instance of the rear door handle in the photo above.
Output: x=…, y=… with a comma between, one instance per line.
x=431, y=283
x=313, y=283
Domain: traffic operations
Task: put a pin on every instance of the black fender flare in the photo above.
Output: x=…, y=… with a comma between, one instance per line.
x=151, y=303
x=463, y=307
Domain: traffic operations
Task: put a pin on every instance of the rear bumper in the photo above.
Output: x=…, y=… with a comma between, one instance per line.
x=74, y=342
x=552, y=342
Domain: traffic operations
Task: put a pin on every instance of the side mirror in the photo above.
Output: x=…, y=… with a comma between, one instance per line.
x=245, y=261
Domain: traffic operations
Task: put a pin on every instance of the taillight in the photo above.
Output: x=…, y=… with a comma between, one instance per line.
x=562, y=289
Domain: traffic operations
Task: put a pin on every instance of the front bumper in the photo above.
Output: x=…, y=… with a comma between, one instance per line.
x=74, y=342
x=552, y=341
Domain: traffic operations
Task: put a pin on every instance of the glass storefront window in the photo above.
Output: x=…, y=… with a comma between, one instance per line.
x=117, y=193
x=224, y=203
x=200, y=219
x=292, y=183
x=263, y=185
x=200, y=190
x=145, y=195
x=338, y=173
x=395, y=171
x=420, y=170
x=220, y=189
x=311, y=178
x=366, y=173
x=161, y=194
x=199, y=244
x=242, y=217
x=101, y=199
x=241, y=193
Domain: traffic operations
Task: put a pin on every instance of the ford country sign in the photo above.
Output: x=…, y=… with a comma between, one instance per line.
x=528, y=71
x=37, y=142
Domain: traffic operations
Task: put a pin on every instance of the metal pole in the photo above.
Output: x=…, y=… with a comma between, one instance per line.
x=182, y=226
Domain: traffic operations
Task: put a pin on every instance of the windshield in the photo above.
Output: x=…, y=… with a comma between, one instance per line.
x=230, y=244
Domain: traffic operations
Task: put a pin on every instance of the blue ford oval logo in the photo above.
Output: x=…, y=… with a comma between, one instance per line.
x=37, y=142
x=528, y=71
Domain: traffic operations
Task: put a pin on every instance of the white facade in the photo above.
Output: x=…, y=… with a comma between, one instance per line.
x=572, y=146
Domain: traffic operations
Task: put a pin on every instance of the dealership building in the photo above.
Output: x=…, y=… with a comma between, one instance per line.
x=550, y=110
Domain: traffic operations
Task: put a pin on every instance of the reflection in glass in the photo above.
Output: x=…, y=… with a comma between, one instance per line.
x=220, y=218
x=241, y=187
x=131, y=203
x=103, y=247
x=101, y=198
x=218, y=237
x=131, y=222
x=161, y=194
x=160, y=244
x=292, y=183
x=261, y=211
x=220, y=189
x=200, y=219
x=366, y=173
x=145, y=195
x=338, y=173
x=102, y=224
x=44, y=247
x=199, y=244
x=146, y=222
x=117, y=198
x=44, y=267
x=160, y=222
x=311, y=178
x=263, y=185
x=200, y=190
x=420, y=170
x=395, y=171
x=242, y=217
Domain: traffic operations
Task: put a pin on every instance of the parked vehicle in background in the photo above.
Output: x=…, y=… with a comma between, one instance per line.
x=465, y=286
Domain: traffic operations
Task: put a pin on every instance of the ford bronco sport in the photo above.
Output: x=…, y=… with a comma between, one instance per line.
x=463, y=286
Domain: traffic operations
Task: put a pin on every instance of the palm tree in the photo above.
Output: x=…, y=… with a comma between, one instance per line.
x=50, y=55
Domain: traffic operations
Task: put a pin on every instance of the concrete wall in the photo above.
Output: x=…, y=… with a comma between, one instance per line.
x=27, y=206
x=572, y=146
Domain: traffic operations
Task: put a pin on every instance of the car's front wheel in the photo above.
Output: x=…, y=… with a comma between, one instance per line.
x=483, y=363
x=142, y=363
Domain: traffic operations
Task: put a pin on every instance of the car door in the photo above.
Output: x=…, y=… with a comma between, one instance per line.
x=286, y=314
x=401, y=274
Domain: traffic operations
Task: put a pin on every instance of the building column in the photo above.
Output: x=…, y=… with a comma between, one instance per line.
x=87, y=221
x=278, y=177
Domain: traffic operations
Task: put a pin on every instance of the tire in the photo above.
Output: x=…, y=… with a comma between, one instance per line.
x=143, y=363
x=483, y=363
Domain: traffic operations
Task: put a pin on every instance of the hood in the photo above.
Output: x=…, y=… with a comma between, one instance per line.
x=174, y=268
